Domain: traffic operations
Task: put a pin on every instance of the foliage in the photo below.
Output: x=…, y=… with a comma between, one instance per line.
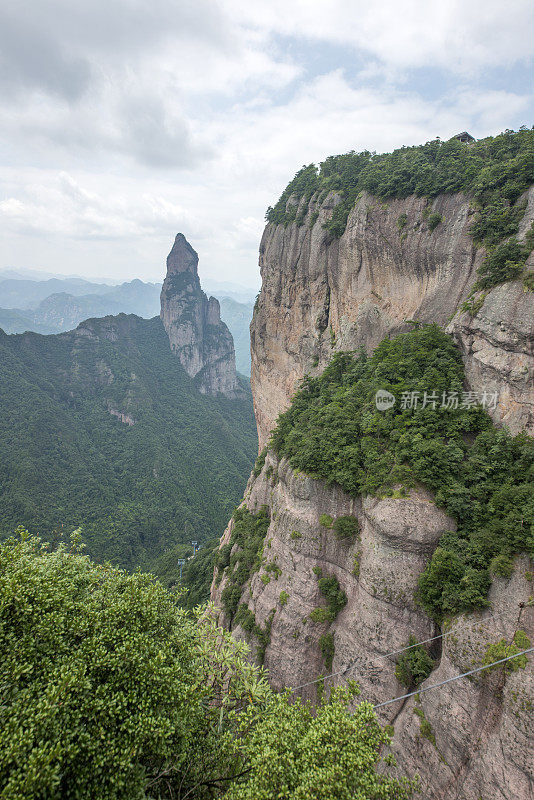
x=110, y=690
x=334, y=753
x=504, y=262
x=335, y=597
x=284, y=597
x=326, y=643
x=480, y=475
x=402, y=220
x=346, y=528
x=501, y=649
x=494, y=171
x=140, y=492
x=248, y=532
x=414, y=665
x=425, y=728
x=501, y=565
x=326, y=520
x=259, y=463
x=434, y=220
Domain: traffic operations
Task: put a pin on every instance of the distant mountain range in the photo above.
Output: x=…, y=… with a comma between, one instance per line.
x=58, y=304
x=138, y=430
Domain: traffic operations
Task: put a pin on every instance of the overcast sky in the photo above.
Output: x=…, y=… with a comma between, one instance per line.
x=126, y=121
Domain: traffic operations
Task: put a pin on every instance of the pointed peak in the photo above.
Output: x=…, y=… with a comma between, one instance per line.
x=182, y=257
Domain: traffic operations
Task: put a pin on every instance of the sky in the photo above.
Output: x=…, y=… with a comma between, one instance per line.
x=124, y=122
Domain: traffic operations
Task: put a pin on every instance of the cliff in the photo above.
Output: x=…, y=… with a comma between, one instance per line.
x=471, y=738
x=319, y=296
x=193, y=323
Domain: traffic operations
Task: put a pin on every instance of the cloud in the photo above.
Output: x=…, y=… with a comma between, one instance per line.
x=451, y=34
x=125, y=121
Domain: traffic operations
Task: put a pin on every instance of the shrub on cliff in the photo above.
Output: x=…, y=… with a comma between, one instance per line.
x=481, y=475
x=414, y=665
x=111, y=690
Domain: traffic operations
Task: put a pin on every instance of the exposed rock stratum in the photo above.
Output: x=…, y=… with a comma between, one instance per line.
x=472, y=738
x=197, y=335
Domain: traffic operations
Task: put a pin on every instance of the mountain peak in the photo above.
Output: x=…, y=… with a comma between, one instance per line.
x=193, y=323
x=182, y=258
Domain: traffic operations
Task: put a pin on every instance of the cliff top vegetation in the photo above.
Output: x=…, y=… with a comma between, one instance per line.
x=494, y=172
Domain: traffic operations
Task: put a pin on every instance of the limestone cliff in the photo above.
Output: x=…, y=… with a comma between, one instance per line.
x=467, y=740
x=320, y=295
x=470, y=739
x=193, y=323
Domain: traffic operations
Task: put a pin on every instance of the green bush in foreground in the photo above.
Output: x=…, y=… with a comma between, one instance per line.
x=332, y=755
x=111, y=690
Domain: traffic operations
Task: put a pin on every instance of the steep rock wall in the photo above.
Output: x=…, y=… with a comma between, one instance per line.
x=320, y=295
x=467, y=740
x=193, y=323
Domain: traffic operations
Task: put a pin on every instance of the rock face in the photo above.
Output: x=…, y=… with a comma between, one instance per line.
x=467, y=740
x=193, y=323
x=470, y=739
x=320, y=295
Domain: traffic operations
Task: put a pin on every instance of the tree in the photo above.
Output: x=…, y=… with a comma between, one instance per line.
x=332, y=755
x=112, y=690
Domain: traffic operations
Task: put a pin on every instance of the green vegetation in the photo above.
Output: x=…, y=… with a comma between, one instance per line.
x=284, y=597
x=140, y=492
x=414, y=665
x=335, y=597
x=111, y=690
x=501, y=649
x=326, y=643
x=329, y=753
x=249, y=531
x=480, y=475
x=434, y=220
x=504, y=262
x=425, y=728
x=326, y=521
x=346, y=528
x=402, y=220
x=494, y=172
x=528, y=282
x=259, y=463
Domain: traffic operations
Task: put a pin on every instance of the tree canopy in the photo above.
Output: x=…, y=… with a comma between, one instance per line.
x=111, y=690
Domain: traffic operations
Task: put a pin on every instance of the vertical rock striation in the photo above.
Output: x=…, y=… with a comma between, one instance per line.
x=320, y=295
x=193, y=323
x=470, y=739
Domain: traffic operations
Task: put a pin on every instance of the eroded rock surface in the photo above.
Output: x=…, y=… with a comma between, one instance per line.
x=193, y=323
x=320, y=295
x=472, y=738
x=466, y=740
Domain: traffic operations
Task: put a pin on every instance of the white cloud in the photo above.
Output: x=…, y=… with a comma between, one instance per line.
x=453, y=34
x=153, y=118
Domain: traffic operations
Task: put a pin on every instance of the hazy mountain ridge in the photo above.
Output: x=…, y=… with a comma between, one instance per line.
x=56, y=305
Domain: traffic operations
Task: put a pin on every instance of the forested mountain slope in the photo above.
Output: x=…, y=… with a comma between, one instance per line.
x=102, y=428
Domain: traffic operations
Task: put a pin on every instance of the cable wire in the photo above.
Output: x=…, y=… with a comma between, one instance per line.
x=455, y=678
x=408, y=647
